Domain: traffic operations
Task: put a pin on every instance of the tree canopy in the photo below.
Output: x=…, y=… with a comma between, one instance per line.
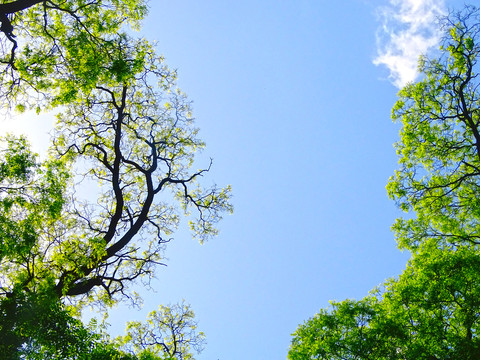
x=431, y=311
x=82, y=225
x=439, y=149
x=50, y=47
x=172, y=330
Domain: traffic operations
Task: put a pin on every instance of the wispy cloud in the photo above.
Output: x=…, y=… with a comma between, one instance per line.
x=409, y=29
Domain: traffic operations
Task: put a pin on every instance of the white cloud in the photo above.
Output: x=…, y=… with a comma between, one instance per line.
x=409, y=29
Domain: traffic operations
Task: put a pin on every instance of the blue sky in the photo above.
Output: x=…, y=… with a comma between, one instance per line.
x=293, y=99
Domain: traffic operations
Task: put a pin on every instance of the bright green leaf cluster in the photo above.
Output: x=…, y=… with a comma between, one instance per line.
x=438, y=147
x=169, y=333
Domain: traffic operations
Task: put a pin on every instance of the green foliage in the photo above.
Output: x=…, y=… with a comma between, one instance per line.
x=169, y=333
x=125, y=128
x=59, y=44
x=344, y=332
x=439, y=144
x=125, y=140
x=435, y=303
x=431, y=311
x=31, y=196
x=37, y=327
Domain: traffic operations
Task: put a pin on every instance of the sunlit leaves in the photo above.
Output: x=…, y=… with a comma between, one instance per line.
x=431, y=311
x=169, y=332
x=127, y=134
x=31, y=196
x=85, y=224
x=438, y=150
x=131, y=140
x=435, y=302
x=343, y=332
x=57, y=45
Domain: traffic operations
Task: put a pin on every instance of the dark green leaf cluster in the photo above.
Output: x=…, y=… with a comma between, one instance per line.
x=430, y=312
x=36, y=326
